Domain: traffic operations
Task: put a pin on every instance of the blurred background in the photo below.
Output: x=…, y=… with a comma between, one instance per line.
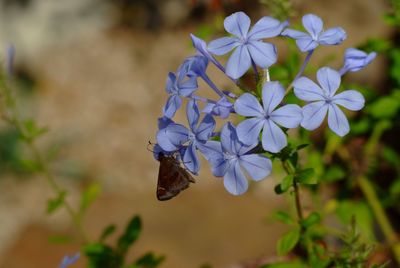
x=94, y=72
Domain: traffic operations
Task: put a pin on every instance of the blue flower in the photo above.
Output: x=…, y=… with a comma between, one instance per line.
x=316, y=35
x=266, y=117
x=180, y=85
x=355, y=60
x=176, y=137
x=68, y=260
x=230, y=156
x=221, y=108
x=248, y=45
x=323, y=100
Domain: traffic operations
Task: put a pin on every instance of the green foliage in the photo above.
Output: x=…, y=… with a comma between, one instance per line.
x=55, y=203
x=89, y=196
x=288, y=241
x=101, y=254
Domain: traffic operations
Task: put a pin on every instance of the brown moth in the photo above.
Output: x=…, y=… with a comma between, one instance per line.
x=172, y=178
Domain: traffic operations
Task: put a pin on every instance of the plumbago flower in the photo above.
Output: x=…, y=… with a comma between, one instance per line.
x=68, y=260
x=266, y=117
x=247, y=44
x=176, y=137
x=232, y=151
x=229, y=157
x=316, y=35
x=323, y=100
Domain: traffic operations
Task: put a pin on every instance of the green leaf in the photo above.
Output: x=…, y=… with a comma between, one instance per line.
x=149, y=260
x=32, y=130
x=110, y=229
x=89, y=195
x=282, y=217
x=287, y=182
x=130, y=235
x=312, y=219
x=60, y=239
x=292, y=264
x=306, y=176
x=385, y=107
x=56, y=203
x=287, y=242
x=101, y=255
x=391, y=156
x=278, y=189
x=334, y=173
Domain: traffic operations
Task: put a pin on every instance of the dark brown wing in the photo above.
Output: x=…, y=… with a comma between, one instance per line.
x=172, y=178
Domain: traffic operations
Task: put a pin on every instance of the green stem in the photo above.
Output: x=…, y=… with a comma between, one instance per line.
x=290, y=170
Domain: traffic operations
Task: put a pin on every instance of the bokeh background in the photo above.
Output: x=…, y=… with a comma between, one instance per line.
x=93, y=72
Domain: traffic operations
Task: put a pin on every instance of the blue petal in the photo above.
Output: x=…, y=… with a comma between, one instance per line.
x=164, y=142
x=332, y=36
x=201, y=47
x=193, y=114
x=263, y=54
x=68, y=260
x=170, y=86
x=205, y=129
x=313, y=24
x=272, y=96
x=177, y=135
x=313, y=114
x=234, y=180
x=266, y=27
x=305, y=89
x=211, y=150
x=229, y=138
x=248, y=105
x=249, y=130
x=174, y=102
x=337, y=121
x=288, y=116
x=273, y=138
x=350, y=99
x=295, y=34
x=223, y=45
x=306, y=44
x=355, y=60
x=329, y=80
x=163, y=122
x=190, y=159
x=238, y=63
x=237, y=24
x=187, y=86
x=257, y=166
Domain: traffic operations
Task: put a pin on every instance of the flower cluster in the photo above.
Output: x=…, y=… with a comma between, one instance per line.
x=231, y=152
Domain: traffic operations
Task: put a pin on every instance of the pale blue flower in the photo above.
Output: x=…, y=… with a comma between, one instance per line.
x=247, y=45
x=315, y=34
x=266, y=117
x=68, y=260
x=355, y=60
x=323, y=100
x=221, y=108
x=229, y=157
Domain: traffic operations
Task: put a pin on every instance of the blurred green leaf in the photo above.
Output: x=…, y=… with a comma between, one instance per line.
x=306, y=176
x=391, y=156
x=109, y=230
x=89, y=195
x=56, y=203
x=32, y=130
x=385, y=107
x=292, y=264
x=287, y=242
x=282, y=217
x=312, y=219
x=101, y=255
x=130, y=235
x=148, y=260
x=334, y=173
x=287, y=182
x=60, y=239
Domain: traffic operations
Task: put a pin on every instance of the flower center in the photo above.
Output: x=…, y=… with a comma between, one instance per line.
x=228, y=156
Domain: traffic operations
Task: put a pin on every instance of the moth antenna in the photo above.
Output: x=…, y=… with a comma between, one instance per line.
x=150, y=143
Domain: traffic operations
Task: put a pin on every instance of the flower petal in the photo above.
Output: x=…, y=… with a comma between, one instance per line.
x=332, y=36
x=350, y=99
x=337, y=121
x=205, y=128
x=313, y=114
x=239, y=62
x=249, y=130
x=306, y=44
x=272, y=96
x=170, y=86
x=295, y=34
x=313, y=24
x=257, y=166
x=234, y=180
x=193, y=114
x=190, y=159
x=211, y=150
x=288, y=116
x=229, y=138
x=222, y=45
x=248, y=105
x=355, y=60
x=177, y=134
x=187, y=86
x=201, y=47
x=174, y=102
x=263, y=54
x=164, y=142
x=237, y=24
x=266, y=27
x=305, y=89
x=273, y=138
x=329, y=80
